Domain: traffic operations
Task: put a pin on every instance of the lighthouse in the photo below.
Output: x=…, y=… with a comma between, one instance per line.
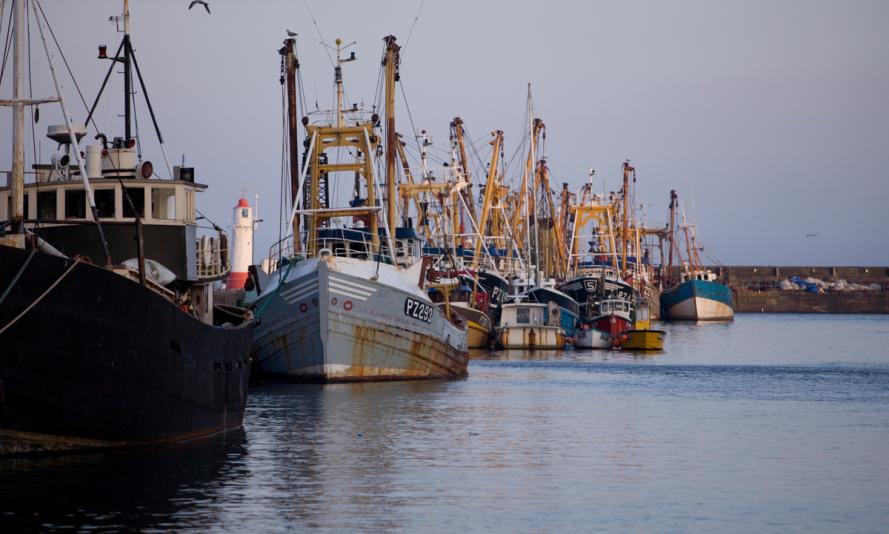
x=242, y=257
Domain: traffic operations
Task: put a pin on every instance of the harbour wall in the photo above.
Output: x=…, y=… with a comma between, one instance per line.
x=757, y=289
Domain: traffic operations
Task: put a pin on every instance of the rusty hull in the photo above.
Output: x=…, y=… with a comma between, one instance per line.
x=333, y=325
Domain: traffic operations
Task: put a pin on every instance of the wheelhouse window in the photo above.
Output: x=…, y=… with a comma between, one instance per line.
x=163, y=203
x=75, y=204
x=105, y=205
x=523, y=315
x=46, y=205
x=137, y=196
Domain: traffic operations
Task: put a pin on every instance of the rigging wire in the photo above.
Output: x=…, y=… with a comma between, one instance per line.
x=410, y=116
x=7, y=46
x=413, y=25
x=318, y=28
x=67, y=66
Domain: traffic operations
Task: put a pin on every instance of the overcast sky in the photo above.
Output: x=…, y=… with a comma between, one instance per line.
x=770, y=118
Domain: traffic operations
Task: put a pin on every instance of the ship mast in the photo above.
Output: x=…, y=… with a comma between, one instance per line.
x=671, y=233
x=491, y=186
x=290, y=65
x=127, y=74
x=338, y=79
x=391, y=63
x=18, y=128
x=624, y=231
x=17, y=188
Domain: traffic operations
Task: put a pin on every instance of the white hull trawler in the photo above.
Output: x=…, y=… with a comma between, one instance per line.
x=342, y=319
x=349, y=303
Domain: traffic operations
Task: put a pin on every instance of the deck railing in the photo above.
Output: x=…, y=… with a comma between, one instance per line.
x=212, y=257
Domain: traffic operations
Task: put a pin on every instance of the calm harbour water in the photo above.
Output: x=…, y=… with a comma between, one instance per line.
x=773, y=423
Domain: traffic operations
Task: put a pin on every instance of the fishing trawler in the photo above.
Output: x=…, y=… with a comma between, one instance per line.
x=697, y=295
x=108, y=330
x=349, y=303
x=594, y=279
x=530, y=325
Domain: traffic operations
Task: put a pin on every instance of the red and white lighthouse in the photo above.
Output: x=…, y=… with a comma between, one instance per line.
x=242, y=256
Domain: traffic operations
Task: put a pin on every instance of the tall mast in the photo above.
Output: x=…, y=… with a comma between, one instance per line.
x=461, y=146
x=127, y=74
x=691, y=266
x=290, y=66
x=490, y=189
x=18, y=127
x=338, y=78
x=391, y=63
x=624, y=235
x=671, y=232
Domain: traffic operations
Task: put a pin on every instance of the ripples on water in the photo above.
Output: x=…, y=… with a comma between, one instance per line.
x=771, y=423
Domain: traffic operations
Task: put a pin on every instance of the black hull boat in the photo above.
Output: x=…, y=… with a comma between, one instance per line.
x=103, y=361
x=131, y=353
x=498, y=292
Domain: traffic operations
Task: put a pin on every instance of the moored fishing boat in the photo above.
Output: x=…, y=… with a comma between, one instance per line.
x=568, y=307
x=642, y=336
x=697, y=295
x=470, y=301
x=590, y=337
x=129, y=353
x=349, y=304
x=615, y=317
x=530, y=325
x=699, y=298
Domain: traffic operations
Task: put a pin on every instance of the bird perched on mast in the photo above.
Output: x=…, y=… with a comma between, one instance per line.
x=291, y=34
x=201, y=2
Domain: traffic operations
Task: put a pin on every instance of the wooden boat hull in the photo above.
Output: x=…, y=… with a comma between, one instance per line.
x=102, y=362
x=530, y=337
x=644, y=340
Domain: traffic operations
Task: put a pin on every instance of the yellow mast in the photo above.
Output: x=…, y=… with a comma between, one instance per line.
x=491, y=187
x=457, y=123
x=391, y=62
x=517, y=223
x=624, y=235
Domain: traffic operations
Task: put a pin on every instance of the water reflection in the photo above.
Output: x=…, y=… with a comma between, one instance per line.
x=137, y=488
x=769, y=423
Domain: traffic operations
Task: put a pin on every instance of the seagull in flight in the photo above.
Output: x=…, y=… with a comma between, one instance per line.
x=291, y=34
x=201, y=2
x=813, y=234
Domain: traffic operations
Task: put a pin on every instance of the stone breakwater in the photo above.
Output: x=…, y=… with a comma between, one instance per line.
x=763, y=289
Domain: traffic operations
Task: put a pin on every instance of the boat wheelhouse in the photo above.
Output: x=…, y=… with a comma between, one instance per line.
x=530, y=325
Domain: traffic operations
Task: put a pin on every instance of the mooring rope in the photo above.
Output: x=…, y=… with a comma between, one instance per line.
x=41, y=297
x=257, y=315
